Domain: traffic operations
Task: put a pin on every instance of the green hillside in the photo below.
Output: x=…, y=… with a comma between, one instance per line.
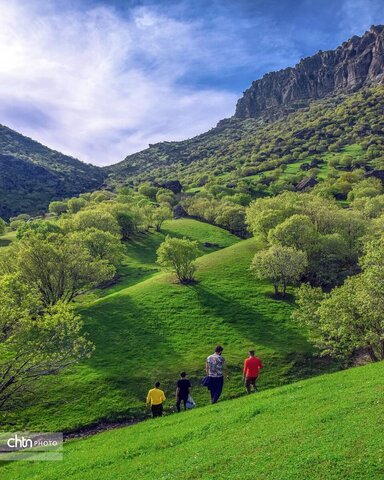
x=236, y=149
x=148, y=327
x=32, y=175
x=325, y=428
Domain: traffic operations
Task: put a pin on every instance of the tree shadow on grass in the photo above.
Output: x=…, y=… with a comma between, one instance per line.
x=271, y=330
x=132, y=352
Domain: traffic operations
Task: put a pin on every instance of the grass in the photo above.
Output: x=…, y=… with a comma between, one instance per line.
x=153, y=328
x=326, y=428
x=7, y=239
x=140, y=253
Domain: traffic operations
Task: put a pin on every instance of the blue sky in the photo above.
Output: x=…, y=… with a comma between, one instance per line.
x=101, y=79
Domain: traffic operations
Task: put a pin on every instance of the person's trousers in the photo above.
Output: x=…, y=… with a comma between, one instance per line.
x=178, y=403
x=250, y=381
x=215, y=387
x=157, y=410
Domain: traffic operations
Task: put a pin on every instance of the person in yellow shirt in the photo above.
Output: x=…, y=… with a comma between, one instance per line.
x=155, y=398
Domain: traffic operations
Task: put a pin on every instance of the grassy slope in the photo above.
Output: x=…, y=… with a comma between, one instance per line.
x=329, y=427
x=7, y=238
x=156, y=327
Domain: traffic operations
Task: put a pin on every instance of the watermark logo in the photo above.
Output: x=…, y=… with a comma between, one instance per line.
x=42, y=446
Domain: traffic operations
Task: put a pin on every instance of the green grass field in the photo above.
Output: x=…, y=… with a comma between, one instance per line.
x=325, y=428
x=149, y=327
x=7, y=239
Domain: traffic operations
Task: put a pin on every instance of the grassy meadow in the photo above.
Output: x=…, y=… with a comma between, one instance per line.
x=147, y=327
x=325, y=428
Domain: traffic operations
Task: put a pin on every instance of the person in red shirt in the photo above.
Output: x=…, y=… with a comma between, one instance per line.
x=252, y=367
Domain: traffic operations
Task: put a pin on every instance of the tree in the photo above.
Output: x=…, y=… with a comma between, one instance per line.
x=296, y=231
x=370, y=187
x=2, y=226
x=39, y=227
x=179, y=255
x=75, y=204
x=101, y=245
x=148, y=191
x=16, y=224
x=281, y=265
x=266, y=213
x=95, y=218
x=160, y=215
x=164, y=195
x=351, y=317
x=127, y=222
x=232, y=217
x=34, y=341
x=60, y=267
x=58, y=207
x=331, y=261
x=370, y=207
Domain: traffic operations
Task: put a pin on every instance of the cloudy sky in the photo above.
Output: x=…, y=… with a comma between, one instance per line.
x=101, y=79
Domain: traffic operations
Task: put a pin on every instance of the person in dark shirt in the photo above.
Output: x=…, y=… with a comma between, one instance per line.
x=182, y=391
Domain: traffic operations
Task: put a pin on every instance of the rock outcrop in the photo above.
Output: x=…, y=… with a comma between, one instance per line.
x=357, y=63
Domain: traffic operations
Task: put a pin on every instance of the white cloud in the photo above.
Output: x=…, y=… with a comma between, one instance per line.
x=98, y=86
x=358, y=15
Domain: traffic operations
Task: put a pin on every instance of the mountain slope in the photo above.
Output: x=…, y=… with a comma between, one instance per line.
x=31, y=175
x=325, y=428
x=327, y=76
x=236, y=147
x=357, y=63
x=147, y=327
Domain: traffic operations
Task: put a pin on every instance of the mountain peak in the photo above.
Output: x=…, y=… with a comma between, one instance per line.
x=356, y=63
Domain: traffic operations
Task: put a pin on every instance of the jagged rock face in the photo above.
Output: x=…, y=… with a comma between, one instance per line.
x=353, y=65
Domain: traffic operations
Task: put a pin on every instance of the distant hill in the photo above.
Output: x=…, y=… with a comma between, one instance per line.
x=273, y=111
x=32, y=175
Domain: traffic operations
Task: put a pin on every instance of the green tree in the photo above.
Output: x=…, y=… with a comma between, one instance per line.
x=58, y=266
x=232, y=218
x=127, y=220
x=34, y=341
x=40, y=227
x=160, y=215
x=281, y=265
x=95, y=218
x=101, y=245
x=296, y=231
x=58, y=207
x=266, y=213
x=370, y=187
x=331, y=261
x=179, y=255
x=164, y=195
x=2, y=226
x=351, y=317
x=75, y=204
x=148, y=191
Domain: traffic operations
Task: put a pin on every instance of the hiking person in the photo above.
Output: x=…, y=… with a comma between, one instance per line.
x=252, y=367
x=182, y=391
x=214, y=368
x=155, y=398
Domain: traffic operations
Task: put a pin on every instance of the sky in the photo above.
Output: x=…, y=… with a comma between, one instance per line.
x=99, y=80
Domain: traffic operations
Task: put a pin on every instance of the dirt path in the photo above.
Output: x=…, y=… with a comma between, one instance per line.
x=100, y=427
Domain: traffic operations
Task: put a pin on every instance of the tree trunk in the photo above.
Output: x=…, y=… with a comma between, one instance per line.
x=276, y=285
x=382, y=350
x=372, y=354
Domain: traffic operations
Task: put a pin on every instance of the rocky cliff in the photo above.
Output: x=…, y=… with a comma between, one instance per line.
x=356, y=63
